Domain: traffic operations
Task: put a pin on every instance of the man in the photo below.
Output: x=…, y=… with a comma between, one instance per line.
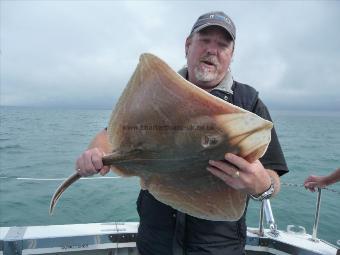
x=209, y=50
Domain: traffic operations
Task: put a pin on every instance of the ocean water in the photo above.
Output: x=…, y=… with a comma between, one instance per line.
x=44, y=143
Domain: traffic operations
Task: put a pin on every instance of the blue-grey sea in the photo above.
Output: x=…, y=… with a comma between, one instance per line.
x=43, y=143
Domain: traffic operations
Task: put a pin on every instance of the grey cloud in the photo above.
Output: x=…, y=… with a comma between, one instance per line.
x=82, y=53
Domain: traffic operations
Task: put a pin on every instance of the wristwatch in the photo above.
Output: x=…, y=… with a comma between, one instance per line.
x=265, y=195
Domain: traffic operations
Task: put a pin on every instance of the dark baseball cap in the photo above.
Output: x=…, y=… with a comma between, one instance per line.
x=215, y=19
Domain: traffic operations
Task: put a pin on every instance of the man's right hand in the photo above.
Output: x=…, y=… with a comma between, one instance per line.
x=90, y=163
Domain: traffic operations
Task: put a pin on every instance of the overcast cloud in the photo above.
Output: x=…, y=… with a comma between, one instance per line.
x=82, y=53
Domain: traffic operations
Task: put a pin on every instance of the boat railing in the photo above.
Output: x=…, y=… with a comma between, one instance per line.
x=316, y=218
x=266, y=212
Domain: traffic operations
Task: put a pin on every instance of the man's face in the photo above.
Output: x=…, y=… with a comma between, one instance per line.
x=209, y=54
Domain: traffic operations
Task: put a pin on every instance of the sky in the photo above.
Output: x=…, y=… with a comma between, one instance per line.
x=82, y=53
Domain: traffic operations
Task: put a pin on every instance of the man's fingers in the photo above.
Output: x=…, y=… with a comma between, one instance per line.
x=237, y=161
x=96, y=160
x=223, y=166
x=309, y=179
x=90, y=162
x=79, y=164
x=104, y=170
x=311, y=186
x=224, y=177
x=81, y=167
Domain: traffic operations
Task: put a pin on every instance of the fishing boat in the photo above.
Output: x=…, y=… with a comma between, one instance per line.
x=120, y=238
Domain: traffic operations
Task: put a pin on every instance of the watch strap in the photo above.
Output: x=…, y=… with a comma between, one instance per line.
x=265, y=195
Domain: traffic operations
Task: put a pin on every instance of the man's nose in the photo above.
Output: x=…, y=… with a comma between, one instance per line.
x=212, y=49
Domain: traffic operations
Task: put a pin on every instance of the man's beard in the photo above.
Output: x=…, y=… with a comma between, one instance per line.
x=202, y=74
x=205, y=74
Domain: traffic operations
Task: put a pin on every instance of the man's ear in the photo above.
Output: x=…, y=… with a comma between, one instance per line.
x=187, y=44
x=233, y=49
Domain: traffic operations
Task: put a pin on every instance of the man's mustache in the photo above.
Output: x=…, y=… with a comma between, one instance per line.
x=210, y=59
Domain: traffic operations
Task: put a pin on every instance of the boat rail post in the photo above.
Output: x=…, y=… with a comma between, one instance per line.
x=261, y=231
x=317, y=215
x=270, y=218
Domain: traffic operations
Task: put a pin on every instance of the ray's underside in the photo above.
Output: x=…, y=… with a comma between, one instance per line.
x=164, y=129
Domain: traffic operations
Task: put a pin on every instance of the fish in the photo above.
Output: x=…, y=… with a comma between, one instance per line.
x=165, y=129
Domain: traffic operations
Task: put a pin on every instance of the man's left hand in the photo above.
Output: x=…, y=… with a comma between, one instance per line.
x=251, y=178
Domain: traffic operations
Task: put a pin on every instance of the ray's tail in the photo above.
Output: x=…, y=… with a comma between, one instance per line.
x=108, y=160
x=73, y=178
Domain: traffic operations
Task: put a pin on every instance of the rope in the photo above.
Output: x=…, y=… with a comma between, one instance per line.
x=118, y=177
x=301, y=185
x=55, y=179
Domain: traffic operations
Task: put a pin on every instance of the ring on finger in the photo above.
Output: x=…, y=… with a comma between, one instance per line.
x=236, y=174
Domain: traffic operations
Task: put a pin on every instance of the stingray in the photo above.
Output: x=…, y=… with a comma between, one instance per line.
x=165, y=129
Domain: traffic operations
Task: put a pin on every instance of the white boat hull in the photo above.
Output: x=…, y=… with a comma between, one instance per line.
x=120, y=238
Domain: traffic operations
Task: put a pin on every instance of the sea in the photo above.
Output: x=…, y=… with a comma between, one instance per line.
x=39, y=146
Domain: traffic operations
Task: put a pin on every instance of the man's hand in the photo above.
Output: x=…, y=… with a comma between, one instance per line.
x=251, y=178
x=90, y=163
x=313, y=182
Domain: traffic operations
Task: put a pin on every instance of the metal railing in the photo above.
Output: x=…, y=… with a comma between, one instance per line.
x=266, y=212
x=316, y=218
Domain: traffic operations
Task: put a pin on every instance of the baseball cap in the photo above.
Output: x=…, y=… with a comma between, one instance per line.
x=215, y=19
